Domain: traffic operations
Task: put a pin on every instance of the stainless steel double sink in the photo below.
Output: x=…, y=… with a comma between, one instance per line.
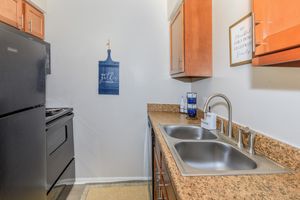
x=200, y=152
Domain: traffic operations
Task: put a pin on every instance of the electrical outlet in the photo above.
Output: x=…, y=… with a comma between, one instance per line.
x=204, y=99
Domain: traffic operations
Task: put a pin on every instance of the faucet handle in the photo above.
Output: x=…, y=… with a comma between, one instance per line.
x=240, y=139
x=240, y=136
x=251, y=139
x=251, y=142
x=246, y=129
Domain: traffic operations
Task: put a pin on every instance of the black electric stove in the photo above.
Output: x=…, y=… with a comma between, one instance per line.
x=60, y=152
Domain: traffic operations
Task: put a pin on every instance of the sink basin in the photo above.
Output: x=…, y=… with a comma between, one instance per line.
x=200, y=152
x=213, y=156
x=188, y=132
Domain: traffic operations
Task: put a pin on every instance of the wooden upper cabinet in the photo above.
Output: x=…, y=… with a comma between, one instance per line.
x=22, y=15
x=276, y=31
x=11, y=12
x=34, y=21
x=191, y=40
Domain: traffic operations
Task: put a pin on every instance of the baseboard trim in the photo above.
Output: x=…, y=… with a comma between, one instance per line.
x=81, y=181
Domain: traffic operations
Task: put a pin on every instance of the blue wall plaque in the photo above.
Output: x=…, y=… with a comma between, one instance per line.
x=108, y=76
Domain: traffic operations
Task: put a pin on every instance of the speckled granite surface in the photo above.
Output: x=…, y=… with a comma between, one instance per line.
x=275, y=186
x=163, y=108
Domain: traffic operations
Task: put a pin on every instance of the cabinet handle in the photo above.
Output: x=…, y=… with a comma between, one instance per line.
x=259, y=44
x=257, y=22
x=30, y=26
x=164, y=185
x=22, y=21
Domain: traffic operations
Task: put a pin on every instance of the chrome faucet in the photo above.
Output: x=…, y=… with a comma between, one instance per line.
x=205, y=109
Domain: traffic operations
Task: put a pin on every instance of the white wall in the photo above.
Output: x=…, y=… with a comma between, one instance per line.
x=109, y=130
x=172, y=7
x=40, y=4
x=266, y=99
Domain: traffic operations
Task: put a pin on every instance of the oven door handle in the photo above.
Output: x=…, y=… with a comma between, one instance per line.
x=61, y=120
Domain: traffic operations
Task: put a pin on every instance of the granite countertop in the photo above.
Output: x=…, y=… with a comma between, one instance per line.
x=274, y=186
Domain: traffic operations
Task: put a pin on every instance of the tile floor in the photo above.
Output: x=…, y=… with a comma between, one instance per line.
x=111, y=191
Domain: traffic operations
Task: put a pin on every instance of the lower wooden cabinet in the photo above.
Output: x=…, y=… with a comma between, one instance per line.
x=162, y=186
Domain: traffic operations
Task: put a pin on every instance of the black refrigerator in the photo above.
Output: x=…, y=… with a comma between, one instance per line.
x=22, y=116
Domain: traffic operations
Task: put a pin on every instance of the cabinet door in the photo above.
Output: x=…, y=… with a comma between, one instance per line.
x=34, y=21
x=162, y=185
x=11, y=12
x=177, y=43
x=277, y=25
x=156, y=172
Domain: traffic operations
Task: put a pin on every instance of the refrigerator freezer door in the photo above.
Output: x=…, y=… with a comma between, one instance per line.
x=22, y=156
x=22, y=72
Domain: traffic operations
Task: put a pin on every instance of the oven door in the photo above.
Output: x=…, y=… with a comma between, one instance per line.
x=60, y=147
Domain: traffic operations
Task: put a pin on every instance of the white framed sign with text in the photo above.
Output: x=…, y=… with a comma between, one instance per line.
x=241, y=41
